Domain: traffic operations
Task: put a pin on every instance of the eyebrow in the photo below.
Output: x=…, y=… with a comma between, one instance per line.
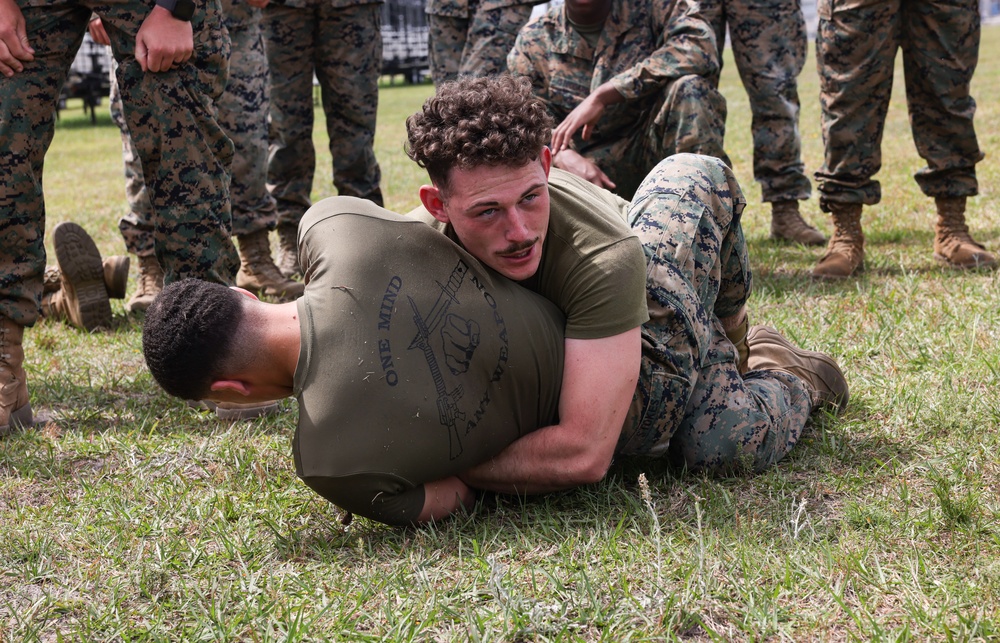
x=483, y=204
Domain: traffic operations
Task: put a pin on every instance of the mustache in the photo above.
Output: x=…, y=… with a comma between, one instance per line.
x=514, y=248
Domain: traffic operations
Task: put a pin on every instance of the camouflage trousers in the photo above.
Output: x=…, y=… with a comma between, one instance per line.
x=855, y=51
x=691, y=404
x=185, y=153
x=477, y=45
x=242, y=112
x=769, y=43
x=689, y=117
x=343, y=47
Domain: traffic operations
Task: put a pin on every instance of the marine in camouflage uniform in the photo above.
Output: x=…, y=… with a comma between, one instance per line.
x=341, y=42
x=661, y=58
x=242, y=113
x=769, y=41
x=692, y=404
x=856, y=47
x=472, y=37
x=184, y=151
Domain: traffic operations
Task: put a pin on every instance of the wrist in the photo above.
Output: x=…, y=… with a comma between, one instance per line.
x=179, y=9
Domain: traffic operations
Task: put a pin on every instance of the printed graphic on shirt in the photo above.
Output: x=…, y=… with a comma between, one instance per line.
x=453, y=342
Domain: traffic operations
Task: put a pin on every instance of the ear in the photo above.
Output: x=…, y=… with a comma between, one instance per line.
x=245, y=292
x=236, y=386
x=546, y=159
x=430, y=196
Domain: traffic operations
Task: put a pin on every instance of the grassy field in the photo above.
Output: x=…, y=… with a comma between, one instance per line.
x=128, y=516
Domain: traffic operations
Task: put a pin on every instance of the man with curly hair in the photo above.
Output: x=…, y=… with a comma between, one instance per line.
x=411, y=361
x=654, y=294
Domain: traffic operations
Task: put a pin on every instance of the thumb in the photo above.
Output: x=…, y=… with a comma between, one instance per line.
x=141, y=53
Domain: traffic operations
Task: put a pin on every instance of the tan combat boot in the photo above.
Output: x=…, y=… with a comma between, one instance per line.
x=769, y=351
x=953, y=245
x=15, y=407
x=116, y=275
x=150, y=284
x=83, y=295
x=787, y=224
x=845, y=255
x=288, y=251
x=258, y=274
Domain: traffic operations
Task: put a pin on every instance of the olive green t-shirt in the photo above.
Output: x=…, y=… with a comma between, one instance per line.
x=593, y=267
x=416, y=361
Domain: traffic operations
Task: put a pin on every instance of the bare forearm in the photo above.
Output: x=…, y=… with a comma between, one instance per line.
x=599, y=377
x=540, y=462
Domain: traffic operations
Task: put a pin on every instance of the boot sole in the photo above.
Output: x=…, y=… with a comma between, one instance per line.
x=821, y=277
x=832, y=377
x=21, y=418
x=244, y=413
x=80, y=263
x=964, y=266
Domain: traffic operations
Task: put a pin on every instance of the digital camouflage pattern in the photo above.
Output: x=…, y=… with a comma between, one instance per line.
x=184, y=150
x=472, y=38
x=855, y=51
x=769, y=43
x=342, y=45
x=691, y=404
x=242, y=113
x=659, y=56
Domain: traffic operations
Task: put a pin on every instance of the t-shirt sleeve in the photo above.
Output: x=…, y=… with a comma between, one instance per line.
x=608, y=293
x=379, y=496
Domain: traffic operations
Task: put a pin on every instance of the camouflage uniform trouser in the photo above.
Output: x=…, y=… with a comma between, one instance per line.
x=691, y=404
x=477, y=45
x=185, y=153
x=769, y=44
x=855, y=49
x=689, y=117
x=343, y=47
x=242, y=112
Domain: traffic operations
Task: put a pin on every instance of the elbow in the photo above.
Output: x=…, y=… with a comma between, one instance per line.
x=591, y=468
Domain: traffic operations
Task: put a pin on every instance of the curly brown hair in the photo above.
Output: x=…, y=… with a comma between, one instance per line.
x=493, y=120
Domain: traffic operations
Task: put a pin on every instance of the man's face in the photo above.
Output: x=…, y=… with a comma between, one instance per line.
x=499, y=213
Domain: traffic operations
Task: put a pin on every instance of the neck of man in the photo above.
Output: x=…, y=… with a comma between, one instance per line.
x=281, y=343
x=588, y=16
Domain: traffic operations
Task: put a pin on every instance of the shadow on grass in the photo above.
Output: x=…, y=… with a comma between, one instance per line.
x=133, y=404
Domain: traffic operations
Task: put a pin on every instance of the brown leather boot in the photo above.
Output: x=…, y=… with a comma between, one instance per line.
x=953, y=245
x=83, y=293
x=787, y=224
x=845, y=255
x=288, y=251
x=150, y=284
x=115, y=276
x=770, y=351
x=15, y=407
x=258, y=274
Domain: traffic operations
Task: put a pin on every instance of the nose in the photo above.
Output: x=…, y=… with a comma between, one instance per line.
x=517, y=227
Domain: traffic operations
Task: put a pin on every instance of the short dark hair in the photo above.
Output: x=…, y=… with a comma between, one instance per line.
x=492, y=120
x=188, y=335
